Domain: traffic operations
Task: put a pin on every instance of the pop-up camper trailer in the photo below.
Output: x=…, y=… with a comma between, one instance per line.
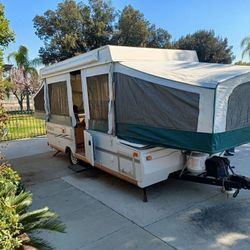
x=136, y=112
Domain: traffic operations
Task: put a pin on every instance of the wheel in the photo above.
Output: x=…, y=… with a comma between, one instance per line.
x=72, y=159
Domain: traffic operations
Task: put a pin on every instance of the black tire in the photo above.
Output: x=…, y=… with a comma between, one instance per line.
x=72, y=159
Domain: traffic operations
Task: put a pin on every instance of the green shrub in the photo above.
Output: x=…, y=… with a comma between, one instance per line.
x=9, y=174
x=18, y=226
x=10, y=226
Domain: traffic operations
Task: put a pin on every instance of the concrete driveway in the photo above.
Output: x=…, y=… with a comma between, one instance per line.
x=103, y=212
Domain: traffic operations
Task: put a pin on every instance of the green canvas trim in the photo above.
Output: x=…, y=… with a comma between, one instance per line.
x=230, y=139
x=185, y=140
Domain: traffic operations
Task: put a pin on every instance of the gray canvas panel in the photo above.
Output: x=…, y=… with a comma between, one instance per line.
x=39, y=100
x=145, y=103
x=238, y=111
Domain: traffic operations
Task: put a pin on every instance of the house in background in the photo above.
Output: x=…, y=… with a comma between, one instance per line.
x=6, y=70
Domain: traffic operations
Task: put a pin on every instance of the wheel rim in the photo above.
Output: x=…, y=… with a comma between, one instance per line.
x=73, y=159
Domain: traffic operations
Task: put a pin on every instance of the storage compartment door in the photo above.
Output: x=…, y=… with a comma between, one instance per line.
x=89, y=147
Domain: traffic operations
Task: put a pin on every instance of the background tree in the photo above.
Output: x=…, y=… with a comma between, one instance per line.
x=241, y=63
x=6, y=36
x=74, y=28
x=24, y=76
x=158, y=38
x=209, y=48
x=133, y=28
x=245, y=45
x=101, y=29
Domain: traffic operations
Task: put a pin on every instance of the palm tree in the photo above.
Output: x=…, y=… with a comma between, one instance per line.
x=20, y=223
x=35, y=221
x=245, y=45
x=32, y=221
x=27, y=68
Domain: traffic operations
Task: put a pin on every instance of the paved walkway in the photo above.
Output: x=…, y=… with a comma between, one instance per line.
x=26, y=147
x=103, y=212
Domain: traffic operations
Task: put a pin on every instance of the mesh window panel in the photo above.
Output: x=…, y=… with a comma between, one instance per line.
x=58, y=98
x=39, y=101
x=98, y=96
x=238, y=110
x=145, y=103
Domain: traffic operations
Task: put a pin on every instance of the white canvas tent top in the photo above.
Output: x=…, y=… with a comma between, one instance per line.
x=167, y=98
x=108, y=54
x=206, y=75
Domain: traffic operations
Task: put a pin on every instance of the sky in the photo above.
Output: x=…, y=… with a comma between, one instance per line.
x=228, y=18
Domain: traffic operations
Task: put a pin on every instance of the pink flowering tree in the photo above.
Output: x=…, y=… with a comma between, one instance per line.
x=23, y=84
x=23, y=76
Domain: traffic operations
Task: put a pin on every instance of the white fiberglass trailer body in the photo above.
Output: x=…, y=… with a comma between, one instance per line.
x=142, y=107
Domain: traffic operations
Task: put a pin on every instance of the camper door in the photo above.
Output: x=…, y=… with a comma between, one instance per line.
x=97, y=92
x=89, y=148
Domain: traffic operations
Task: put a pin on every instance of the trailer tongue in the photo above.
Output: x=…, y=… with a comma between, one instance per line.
x=218, y=172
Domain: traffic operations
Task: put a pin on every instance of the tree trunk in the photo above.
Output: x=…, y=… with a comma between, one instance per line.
x=28, y=101
x=19, y=100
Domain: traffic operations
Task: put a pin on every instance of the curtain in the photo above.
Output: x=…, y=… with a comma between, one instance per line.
x=58, y=98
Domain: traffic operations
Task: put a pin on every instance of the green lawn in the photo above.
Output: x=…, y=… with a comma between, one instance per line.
x=24, y=126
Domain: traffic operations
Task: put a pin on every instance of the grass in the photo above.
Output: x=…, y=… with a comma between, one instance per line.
x=24, y=126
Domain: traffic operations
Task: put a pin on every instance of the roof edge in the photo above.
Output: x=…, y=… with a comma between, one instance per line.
x=113, y=53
